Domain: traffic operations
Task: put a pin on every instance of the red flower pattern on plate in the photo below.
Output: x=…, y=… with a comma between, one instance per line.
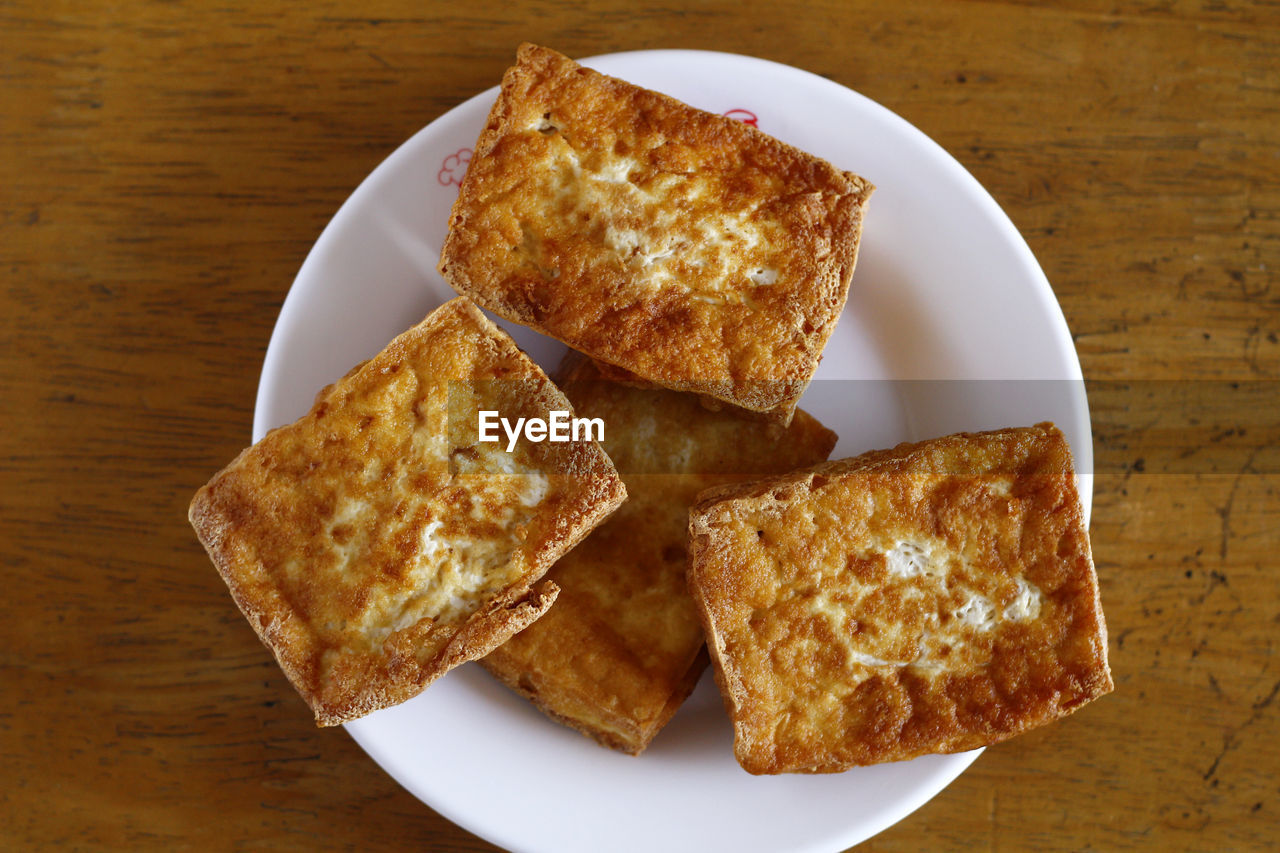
x=744, y=116
x=454, y=167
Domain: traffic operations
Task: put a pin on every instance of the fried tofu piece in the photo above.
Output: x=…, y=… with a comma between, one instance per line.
x=936, y=597
x=622, y=647
x=684, y=247
x=375, y=543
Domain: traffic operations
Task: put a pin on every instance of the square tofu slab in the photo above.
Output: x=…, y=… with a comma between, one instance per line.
x=374, y=544
x=936, y=597
x=622, y=647
x=685, y=247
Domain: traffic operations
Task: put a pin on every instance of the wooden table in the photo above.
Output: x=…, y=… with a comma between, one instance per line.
x=164, y=168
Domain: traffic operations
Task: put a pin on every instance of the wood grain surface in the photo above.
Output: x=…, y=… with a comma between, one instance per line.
x=165, y=166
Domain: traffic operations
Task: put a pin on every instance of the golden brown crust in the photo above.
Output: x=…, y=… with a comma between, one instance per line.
x=374, y=543
x=936, y=597
x=622, y=648
x=687, y=248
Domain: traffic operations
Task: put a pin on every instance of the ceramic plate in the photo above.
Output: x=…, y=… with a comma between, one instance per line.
x=950, y=325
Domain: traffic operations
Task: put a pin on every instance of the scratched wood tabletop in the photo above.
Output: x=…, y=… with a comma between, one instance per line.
x=164, y=168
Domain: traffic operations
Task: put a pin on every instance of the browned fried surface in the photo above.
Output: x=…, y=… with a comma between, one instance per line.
x=687, y=248
x=622, y=647
x=373, y=544
x=936, y=597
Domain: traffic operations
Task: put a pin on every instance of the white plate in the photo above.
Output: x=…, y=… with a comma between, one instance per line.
x=946, y=292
